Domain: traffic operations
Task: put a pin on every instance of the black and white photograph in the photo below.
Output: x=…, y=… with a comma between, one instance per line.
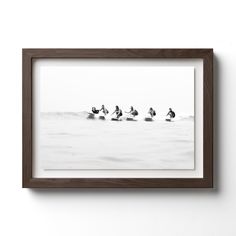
x=125, y=115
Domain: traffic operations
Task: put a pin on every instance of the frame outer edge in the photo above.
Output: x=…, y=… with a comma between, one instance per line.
x=208, y=118
x=27, y=98
x=27, y=118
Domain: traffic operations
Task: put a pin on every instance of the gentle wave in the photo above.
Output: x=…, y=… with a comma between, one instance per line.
x=85, y=114
x=64, y=114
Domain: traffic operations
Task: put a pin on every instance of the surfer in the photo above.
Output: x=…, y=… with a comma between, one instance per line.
x=118, y=112
x=171, y=113
x=94, y=110
x=132, y=112
x=104, y=110
x=152, y=112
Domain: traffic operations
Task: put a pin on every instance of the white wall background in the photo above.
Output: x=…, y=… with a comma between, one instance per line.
x=107, y=24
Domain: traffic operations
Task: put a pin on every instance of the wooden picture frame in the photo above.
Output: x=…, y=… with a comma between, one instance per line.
x=29, y=181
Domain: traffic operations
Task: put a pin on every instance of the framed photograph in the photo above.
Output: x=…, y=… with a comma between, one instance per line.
x=118, y=118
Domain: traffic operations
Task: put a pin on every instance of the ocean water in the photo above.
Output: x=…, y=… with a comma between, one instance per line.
x=70, y=141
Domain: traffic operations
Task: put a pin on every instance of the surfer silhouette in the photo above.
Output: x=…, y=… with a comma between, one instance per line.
x=132, y=111
x=118, y=112
x=104, y=110
x=171, y=113
x=152, y=112
x=94, y=110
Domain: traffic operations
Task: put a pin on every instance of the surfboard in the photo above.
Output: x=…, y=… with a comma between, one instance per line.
x=130, y=119
x=148, y=119
x=90, y=116
x=168, y=120
x=101, y=117
x=115, y=119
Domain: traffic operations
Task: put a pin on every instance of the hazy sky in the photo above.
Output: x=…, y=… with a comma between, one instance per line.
x=73, y=85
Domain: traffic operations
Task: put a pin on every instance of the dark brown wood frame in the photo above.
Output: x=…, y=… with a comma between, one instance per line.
x=205, y=182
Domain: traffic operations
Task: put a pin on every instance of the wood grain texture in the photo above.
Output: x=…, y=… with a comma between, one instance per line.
x=27, y=119
x=30, y=182
x=208, y=117
x=117, y=53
